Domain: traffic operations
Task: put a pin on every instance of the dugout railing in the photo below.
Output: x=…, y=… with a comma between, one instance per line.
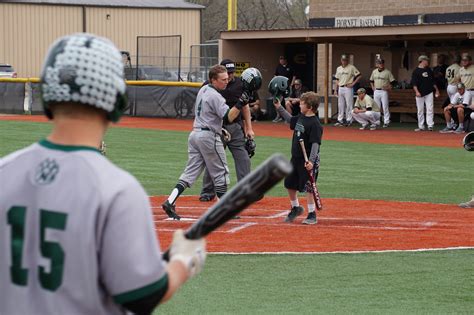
x=145, y=98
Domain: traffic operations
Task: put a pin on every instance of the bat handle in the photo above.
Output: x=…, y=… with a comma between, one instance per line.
x=304, y=150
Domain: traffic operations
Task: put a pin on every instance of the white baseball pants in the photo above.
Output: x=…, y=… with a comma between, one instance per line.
x=452, y=90
x=420, y=106
x=369, y=117
x=345, y=102
x=381, y=98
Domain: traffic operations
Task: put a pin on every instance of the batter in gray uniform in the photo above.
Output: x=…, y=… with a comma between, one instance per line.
x=205, y=147
x=239, y=129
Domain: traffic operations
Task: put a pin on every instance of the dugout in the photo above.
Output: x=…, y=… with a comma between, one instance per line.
x=399, y=39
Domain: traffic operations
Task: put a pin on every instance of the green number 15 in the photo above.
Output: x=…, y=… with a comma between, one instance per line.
x=51, y=280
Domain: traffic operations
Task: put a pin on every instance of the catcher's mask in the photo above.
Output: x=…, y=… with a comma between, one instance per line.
x=278, y=86
x=251, y=79
x=84, y=68
x=468, y=141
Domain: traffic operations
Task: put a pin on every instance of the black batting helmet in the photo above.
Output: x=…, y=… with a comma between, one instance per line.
x=468, y=141
x=279, y=86
x=251, y=79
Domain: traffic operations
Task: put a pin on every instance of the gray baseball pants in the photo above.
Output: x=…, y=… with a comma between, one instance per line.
x=241, y=158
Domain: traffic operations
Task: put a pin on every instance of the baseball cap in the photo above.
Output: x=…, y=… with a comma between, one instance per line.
x=467, y=57
x=380, y=61
x=344, y=57
x=360, y=91
x=228, y=64
x=460, y=85
x=423, y=57
x=297, y=81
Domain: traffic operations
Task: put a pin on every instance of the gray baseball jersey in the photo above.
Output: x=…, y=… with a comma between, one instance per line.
x=76, y=234
x=205, y=147
x=210, y=109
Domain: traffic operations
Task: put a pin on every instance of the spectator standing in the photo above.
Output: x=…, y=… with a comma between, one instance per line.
x=284, y=69
x=346, y=77
x=439, y=73
x=366, y=111
x=381, y=81
x=423, y=84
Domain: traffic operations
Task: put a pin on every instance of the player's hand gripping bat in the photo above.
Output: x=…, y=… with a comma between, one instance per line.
x=315, y=191
x=250, y=189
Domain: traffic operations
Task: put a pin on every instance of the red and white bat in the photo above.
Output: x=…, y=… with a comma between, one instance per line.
x=248, y=190
x=315, y=191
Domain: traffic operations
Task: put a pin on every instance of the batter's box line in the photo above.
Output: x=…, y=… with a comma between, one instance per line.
x=233, y=230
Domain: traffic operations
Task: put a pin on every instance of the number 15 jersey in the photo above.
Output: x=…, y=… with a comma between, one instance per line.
x=76, y=234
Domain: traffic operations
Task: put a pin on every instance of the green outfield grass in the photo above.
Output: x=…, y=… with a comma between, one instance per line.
x=432, y=282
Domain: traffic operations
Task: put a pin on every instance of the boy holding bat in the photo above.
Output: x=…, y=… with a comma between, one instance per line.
x=307, y=131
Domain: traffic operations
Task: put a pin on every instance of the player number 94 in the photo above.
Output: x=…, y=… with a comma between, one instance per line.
x=16, y=218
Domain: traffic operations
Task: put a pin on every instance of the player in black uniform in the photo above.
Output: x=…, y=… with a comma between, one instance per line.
x=239, y=130
x=306, y=126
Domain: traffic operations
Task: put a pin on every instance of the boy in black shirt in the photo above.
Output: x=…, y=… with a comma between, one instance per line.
x=423, y=84
x=306, y=126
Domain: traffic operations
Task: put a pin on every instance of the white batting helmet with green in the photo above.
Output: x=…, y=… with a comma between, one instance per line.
x=87, y=69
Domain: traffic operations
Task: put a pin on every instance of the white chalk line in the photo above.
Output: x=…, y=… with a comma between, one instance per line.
x=241, y=227
x=348, y=252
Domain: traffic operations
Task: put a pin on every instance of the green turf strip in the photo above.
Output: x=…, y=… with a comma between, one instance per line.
x=426, y=283
x=348, y=169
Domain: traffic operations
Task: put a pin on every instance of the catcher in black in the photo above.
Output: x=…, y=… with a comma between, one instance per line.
x=306, y=126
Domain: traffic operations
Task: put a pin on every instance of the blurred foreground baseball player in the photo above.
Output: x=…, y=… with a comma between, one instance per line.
x=205, y=147
x=76, y=232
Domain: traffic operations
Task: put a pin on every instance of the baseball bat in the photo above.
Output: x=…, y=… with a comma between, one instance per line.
x=250, y=189
x=315, y=191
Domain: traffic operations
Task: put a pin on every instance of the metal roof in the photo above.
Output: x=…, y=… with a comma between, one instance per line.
x=159, y=4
